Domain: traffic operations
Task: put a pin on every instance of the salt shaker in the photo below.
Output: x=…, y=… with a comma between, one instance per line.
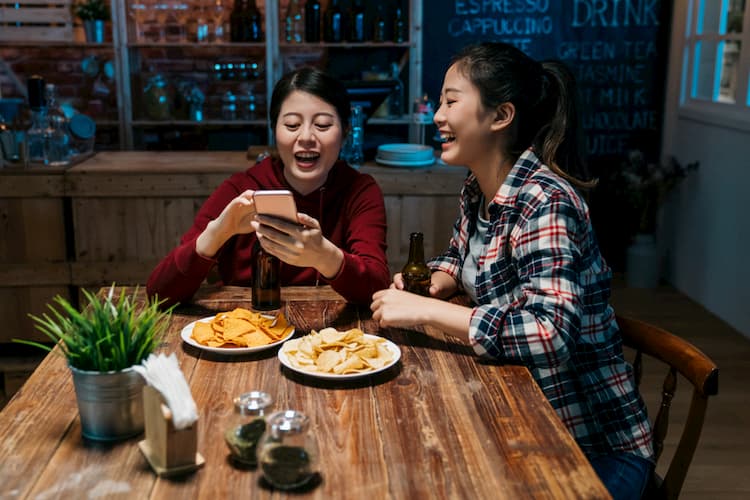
x=247, y=426
x=288, y=451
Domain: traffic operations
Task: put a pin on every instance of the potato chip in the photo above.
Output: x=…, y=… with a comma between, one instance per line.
x=332, y=351
x=240, y=328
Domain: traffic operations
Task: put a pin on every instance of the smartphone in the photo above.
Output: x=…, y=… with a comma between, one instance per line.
x=277, y=203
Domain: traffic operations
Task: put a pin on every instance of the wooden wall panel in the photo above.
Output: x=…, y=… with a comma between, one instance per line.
x=433, y=216
x=129, y=209
x=33, y=261
x=127, y=236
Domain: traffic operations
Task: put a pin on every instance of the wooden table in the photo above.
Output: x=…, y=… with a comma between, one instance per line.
x=439, y=424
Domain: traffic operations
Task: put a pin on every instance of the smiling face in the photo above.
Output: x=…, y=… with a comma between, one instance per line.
x=465, y=125
x=309, y=135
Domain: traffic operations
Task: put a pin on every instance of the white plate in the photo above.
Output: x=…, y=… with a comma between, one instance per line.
x=333, y=376
x=405, y=148
x=404, y=163
x=405, y=152
x=188, y=330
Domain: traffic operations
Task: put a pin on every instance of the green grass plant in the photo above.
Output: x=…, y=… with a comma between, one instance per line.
x=110, y=333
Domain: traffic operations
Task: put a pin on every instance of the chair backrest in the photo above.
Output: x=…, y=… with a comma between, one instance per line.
x=684, y=358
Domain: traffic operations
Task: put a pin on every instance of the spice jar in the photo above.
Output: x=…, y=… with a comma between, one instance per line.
x=288, y=451
x=247, y=425
x=156, y=98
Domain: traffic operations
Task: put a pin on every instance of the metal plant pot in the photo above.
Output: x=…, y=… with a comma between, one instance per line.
x=110, y=403
x=94, y=30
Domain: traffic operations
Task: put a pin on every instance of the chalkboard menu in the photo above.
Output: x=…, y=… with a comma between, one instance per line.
x=616, y=49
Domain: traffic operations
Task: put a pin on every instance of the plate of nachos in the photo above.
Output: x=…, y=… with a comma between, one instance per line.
x=239, y=331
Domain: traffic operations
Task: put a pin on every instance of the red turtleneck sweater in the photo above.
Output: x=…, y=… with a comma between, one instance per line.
x=351, y=212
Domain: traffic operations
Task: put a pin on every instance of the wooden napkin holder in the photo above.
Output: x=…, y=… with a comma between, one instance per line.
x=168, y=450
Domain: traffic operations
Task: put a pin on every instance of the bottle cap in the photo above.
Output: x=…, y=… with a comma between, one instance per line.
x=35, y=86
x=82, y=127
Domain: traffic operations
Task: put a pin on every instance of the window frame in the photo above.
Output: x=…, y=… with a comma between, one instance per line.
x=728, y=114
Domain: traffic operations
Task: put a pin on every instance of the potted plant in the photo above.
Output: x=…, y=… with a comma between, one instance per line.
x=645, y=186
x=94, y=14
x=101, y=343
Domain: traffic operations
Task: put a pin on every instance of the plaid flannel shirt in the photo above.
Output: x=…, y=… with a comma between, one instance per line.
x=543, y=291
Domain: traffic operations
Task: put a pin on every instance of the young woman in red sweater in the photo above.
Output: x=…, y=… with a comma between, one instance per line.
x=341, y=239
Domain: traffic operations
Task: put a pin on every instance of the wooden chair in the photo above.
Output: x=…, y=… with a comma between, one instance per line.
x=684, y=358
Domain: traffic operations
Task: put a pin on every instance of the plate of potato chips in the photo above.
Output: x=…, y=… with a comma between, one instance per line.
x=333, y=354
x=239, y=331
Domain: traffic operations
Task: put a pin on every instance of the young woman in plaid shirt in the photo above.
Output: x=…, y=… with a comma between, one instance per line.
x=524, y=250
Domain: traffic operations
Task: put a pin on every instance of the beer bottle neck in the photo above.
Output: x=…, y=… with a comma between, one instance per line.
x=416, y=249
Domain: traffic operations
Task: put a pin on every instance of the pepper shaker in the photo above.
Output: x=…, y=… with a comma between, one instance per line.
x=247, y=426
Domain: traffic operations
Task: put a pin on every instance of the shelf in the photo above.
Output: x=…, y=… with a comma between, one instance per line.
x=404, y=120
x=183, y=45
x=56, y=43
x=345, y=45
x=204, y=123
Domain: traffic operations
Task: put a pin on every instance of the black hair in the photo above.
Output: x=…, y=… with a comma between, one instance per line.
x=545, y=99
x=315, y=82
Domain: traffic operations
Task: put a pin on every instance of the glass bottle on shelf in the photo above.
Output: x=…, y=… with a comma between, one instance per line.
x=218, y=13
x=82, y=134
x=396, y=99
x=357, y=22
x=399, y=24
x=247, y=426
x=312, y=21
x=378, y=25
x=294, y=29
x=415, y=272
x=255, y=21
x=36, y=152
x=333, y=23
x=228, y=106
x=288, y=451
x=356, y=153
x=236, y=32
x=57, y=140
x=246, y=22
x=156, y=98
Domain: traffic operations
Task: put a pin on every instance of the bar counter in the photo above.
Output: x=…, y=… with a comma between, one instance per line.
x=112, y=217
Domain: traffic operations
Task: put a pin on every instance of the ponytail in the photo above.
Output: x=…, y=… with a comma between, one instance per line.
x=559, y=139
x=544, y=95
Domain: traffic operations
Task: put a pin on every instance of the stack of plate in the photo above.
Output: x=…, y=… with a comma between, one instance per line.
x=405, y=155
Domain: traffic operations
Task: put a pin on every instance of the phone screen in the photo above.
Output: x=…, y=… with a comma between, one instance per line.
x=277, y=203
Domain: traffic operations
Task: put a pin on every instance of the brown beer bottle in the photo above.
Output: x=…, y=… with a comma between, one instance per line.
x=266, y=284
x=416, y=274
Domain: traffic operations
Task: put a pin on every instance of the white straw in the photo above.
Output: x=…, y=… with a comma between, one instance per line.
x=163, y=374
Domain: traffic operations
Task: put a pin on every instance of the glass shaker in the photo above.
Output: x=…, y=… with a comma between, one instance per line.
x=288, y=451
x=247, y=426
